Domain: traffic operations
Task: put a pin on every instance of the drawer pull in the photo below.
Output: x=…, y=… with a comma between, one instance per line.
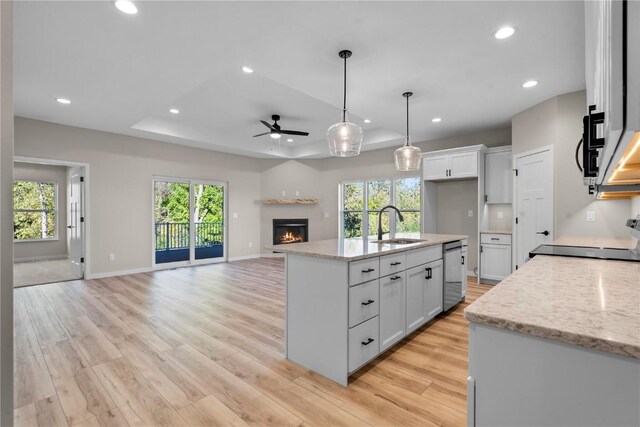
x=396, y=263
x=368, y=270
x=367, y=342
x=429, y=273
x=495, y=238
x=368, y=302
x=396, y=277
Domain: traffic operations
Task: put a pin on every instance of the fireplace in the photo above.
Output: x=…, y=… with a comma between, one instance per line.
x=290, y=231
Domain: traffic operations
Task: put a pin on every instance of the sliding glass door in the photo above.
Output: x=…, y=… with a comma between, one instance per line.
x=189, y=219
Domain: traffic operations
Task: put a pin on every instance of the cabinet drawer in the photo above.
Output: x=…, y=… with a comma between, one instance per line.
x=364, y=302
x=363, y=343
x=392, y=264
x=496, y=239
x=421, y=256
x=364, y=270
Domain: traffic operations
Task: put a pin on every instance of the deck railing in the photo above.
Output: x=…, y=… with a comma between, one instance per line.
x=175, y=235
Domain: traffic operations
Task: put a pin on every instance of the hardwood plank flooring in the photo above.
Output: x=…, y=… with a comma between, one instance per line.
x=205, y=346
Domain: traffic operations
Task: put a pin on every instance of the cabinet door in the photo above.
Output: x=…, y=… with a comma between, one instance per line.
x=392, y=309
x=464, y=165
x=464, y=271
x=436, y=167
x=433, y=290
x=416, y=286
x=496, y=261
x=498, y=177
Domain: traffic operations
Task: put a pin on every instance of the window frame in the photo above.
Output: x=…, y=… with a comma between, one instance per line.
x=365, y=204
x=56, y=209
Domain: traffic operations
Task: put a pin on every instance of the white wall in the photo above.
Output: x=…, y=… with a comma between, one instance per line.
x=507, y=216
x=6, y=215
x=50, y=249
x=558, y=122
x=121, y=171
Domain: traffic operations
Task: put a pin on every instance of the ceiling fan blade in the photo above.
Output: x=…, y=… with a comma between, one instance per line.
x=267, y=125
x=260, y=134
x=294, y=132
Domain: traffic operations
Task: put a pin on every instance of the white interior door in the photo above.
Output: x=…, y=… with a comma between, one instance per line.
x=75, y=227
x=534, y=202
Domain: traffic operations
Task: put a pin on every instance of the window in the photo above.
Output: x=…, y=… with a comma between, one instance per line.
x=361, y=201
x=35, y=210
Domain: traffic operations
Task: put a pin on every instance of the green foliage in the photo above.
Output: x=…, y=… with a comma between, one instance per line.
x=38, y=199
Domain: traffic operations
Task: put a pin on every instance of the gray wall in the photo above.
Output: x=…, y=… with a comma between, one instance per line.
x=321, y=179
x=51, y=249
x=6, y=216
x=507, y=216
x=558, y=122
x=120, y=177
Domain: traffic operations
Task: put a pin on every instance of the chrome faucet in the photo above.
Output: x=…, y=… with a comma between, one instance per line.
x=400, y=217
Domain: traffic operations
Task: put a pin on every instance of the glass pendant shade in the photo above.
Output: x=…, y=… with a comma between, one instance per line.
x=345, y=139
x=408, y=158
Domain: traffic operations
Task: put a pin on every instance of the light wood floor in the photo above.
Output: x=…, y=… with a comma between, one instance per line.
x=204, y=346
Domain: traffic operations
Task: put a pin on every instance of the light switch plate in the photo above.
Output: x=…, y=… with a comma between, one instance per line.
x=235, y=214
x=470, y=213
x=591, y=216
x=500, y=215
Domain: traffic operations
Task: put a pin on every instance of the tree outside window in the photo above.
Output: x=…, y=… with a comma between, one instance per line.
x=34, y=210
x=361, y=201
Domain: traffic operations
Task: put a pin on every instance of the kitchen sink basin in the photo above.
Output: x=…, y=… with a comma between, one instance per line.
x=399, y=241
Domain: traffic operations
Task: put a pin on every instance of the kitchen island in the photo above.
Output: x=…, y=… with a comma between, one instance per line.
x=557, y=343
x=349, y=300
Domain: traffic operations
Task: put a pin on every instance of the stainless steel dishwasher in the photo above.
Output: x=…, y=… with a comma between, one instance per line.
x=452, y=292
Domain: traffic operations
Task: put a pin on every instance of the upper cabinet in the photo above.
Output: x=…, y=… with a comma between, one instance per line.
x=456, y=163
x=498, y=175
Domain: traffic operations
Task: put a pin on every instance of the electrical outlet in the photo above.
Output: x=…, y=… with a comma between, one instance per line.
x=112, y=257
x=591, y=216
x=250, y=244
x=470, y=213
x=297, y=193
x=326, y=214
x=284, y=193
x=235, y=214
x=500, y=215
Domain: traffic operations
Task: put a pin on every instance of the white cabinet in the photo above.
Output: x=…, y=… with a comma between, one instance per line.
x=464, y=270
x=450, y=164
x=392, y=309
x=433, y=289
x=495, y=256
x=498, y=176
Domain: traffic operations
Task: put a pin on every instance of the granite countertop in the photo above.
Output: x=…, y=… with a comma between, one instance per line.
x=359, y=248
x=585, y=302
x=597, y=242
x=509, y=232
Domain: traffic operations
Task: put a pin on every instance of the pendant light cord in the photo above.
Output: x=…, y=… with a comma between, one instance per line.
x=407, y=120
x=344, y=99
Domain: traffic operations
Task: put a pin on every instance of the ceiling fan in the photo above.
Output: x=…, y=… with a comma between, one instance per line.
x=276, y=132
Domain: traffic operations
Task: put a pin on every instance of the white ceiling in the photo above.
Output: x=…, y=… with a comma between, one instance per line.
x=123, y=73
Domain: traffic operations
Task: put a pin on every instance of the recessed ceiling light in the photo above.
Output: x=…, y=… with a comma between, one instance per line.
x=174, y=111
x=289, y=140
x=530, y=83
x=63, y=100
x=504, y=32
x=127, y=7
x=247, y=69
x=367, y=121
x=436, y=119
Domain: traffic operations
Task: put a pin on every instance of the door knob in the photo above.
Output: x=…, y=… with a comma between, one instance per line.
x=70, y=226
x=545, y=232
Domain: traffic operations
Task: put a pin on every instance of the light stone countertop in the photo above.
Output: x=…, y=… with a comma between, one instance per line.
x=489, y=231
x=358, y=248
x=585, y=302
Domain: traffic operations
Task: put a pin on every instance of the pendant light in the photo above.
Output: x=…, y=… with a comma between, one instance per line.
x=344, y=138
x=408, y=157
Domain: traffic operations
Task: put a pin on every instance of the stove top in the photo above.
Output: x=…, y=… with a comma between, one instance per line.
x=586, y=252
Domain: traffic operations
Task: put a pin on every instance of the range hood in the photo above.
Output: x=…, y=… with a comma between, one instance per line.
x=611, y=130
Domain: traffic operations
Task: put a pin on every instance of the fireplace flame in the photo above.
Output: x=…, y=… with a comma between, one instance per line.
x=289, y=237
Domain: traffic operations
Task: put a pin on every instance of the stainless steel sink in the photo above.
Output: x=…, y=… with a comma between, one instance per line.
x=399, y=241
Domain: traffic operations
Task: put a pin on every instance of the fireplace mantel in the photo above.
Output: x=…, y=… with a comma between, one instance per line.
x=290, y=202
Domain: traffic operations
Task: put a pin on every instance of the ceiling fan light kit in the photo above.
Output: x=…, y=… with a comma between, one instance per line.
x=407, y=158
x=344, y=138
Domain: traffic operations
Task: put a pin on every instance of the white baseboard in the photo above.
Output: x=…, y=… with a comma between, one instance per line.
x=40, y=258
x=272, y=255
x=471, y=273
x=240, y=258
x=118, y=273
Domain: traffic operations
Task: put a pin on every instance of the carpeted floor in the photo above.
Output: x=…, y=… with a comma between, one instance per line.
x=39, y=272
